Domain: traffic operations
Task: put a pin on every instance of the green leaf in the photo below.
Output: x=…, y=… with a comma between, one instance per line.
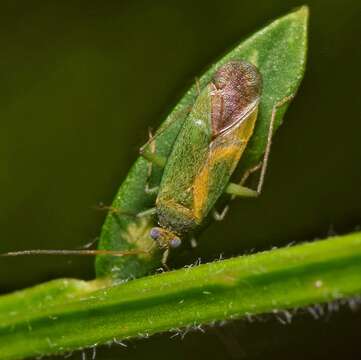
x=279, y=52
x=65, y=315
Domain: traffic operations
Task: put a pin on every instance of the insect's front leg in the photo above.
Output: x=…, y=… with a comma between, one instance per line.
x=148, y=152
x=165, y=258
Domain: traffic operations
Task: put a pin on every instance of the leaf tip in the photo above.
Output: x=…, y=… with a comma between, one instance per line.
x=302, y=12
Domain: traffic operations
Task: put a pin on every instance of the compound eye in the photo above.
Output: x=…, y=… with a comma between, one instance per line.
x=175, y=242
x=154, y=233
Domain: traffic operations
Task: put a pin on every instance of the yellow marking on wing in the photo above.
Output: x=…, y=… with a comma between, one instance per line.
x=201, y=183
x=220, y=151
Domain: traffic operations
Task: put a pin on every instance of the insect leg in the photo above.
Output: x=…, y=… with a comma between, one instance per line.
x=238, y=190
x=148, y=212
x=152, y=145
x=249, y=172
x=148, y=152
x=165, y=258
x=176, y=119
x=219, y=216
x=278, y=105
x=115, y=211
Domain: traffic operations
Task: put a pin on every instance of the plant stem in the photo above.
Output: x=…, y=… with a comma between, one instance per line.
x=64, y=315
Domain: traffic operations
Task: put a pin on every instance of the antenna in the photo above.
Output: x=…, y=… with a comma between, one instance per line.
x=74, y=252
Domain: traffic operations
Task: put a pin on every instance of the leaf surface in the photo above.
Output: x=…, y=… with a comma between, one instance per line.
x=279, y=52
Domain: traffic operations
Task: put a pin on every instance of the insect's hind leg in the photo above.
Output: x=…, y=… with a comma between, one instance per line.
x=264, y=163
x=241, y=190
x=238, y=190
x=219, y=216
x=277, y=106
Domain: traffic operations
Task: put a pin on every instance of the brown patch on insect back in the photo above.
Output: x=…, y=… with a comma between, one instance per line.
x=237, y=89
x=235, y=93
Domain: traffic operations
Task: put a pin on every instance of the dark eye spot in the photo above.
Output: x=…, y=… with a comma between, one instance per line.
x=154, y=233
x=174, y=243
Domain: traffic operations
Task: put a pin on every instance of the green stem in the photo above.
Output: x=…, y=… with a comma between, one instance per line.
x=64, y=315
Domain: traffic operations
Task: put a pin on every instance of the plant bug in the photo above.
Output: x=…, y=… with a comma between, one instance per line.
x=279, y=52
x=204, y=155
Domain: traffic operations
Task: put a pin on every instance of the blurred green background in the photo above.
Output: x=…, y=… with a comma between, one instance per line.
x=80, y=84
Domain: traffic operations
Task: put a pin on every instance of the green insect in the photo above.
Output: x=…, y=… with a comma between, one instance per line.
x=206, y=153
x=171, y=191
x=206, y=150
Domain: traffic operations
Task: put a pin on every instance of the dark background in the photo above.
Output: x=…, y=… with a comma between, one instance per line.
x=80, y=82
